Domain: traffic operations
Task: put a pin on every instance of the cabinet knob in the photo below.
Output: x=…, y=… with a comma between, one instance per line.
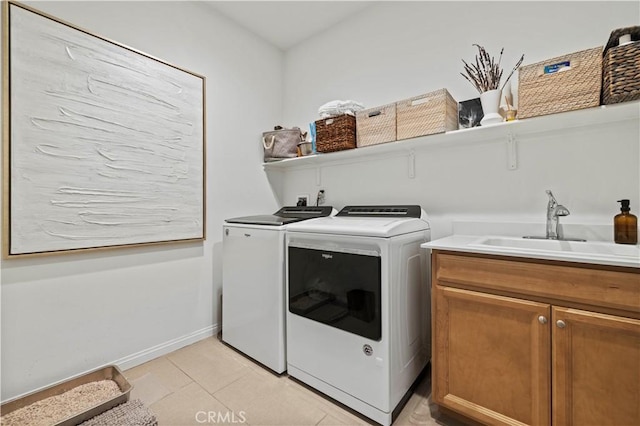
x=561, y=324
x=542, y=319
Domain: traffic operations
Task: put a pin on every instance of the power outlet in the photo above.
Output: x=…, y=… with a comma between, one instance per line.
x=302, y=200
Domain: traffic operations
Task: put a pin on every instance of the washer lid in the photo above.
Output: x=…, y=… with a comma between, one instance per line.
x=372, y=221
x=284, y=216
x=265, y=219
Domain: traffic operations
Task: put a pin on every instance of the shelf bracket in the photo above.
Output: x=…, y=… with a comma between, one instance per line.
x=411, y=166
x=512, y=154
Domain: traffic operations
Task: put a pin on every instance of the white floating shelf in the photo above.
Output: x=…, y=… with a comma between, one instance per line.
x=585, y=118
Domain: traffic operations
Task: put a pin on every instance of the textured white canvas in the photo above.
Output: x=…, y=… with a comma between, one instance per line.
x=106, y=144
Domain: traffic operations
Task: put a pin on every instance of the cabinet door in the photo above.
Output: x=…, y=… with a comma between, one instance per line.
x=596, y=368
x=491, y=357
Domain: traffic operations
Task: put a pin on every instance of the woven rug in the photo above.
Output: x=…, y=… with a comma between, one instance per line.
x=132, y=413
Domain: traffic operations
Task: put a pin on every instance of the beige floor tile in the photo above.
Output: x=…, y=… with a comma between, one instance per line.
x=213, y=345
x=240, y=394
x=164, y=370
x=209, y=364
x=270, y=401
x=261, y=381
x=347, y=416
x=192, y=405
x=244, y=359
x=343, y=414
x=414, y=410
x=424, y=412
x=149, y=389
x=284, y=407
x=329, y=420
x=208, y=344
x=418, y=413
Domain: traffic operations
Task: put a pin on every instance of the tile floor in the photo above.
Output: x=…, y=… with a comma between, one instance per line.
x=210, y=383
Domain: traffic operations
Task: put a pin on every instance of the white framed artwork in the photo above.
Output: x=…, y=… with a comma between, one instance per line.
x=104, y=146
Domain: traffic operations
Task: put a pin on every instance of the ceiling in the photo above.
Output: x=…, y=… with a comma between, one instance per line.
x=287, y=23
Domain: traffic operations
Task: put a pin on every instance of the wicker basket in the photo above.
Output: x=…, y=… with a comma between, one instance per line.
x=336, y=133
x=434, y=112
x=376, y=125
x=564, y=83
x=621, y=68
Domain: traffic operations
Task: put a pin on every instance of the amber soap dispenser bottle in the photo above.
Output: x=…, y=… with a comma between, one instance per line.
x=625, y=225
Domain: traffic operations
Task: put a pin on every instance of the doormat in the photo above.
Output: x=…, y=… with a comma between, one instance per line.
x=132, y=413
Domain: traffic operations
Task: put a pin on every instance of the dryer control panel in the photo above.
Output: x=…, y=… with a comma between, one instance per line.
x=381, y=211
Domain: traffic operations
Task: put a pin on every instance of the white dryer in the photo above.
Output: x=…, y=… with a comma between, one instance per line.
x=253, y=280
x=358, y=311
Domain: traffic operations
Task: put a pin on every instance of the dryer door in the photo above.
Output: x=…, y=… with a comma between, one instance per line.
x=338, y=288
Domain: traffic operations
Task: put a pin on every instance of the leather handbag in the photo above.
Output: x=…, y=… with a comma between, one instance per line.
x=281, y=143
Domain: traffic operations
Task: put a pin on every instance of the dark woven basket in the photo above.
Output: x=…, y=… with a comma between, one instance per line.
x=621, y=68
x=336, y=133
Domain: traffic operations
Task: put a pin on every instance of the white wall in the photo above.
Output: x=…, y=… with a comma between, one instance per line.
x=65, y=314
x=396, y=50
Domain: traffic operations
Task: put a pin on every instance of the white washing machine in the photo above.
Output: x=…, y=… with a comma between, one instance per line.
x=358, y=317
x=253, y=280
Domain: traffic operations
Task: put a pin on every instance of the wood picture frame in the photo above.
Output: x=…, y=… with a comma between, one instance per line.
x=103, y=145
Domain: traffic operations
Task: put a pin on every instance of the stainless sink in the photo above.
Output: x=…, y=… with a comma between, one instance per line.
x=577, y=248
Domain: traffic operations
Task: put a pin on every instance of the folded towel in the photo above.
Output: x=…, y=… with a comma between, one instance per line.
x=333, y=108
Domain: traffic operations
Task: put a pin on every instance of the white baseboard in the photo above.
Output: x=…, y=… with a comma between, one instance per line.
x=148, y=354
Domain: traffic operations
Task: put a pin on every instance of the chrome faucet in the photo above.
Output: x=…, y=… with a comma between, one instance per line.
x=554, y=211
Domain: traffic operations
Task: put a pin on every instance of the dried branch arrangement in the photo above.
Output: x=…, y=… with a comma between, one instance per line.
x=485, y=74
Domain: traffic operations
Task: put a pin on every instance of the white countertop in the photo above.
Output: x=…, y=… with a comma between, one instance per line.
x=593, y=252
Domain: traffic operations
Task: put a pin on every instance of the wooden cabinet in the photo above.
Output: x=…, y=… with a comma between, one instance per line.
x=507, y=352
x=491, y=356
x=596, y=368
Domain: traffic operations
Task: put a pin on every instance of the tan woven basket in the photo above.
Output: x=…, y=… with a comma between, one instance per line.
x=621, y=68
x=434, y=112
x=336, y=133
x=543, y=90
x=376, y=125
